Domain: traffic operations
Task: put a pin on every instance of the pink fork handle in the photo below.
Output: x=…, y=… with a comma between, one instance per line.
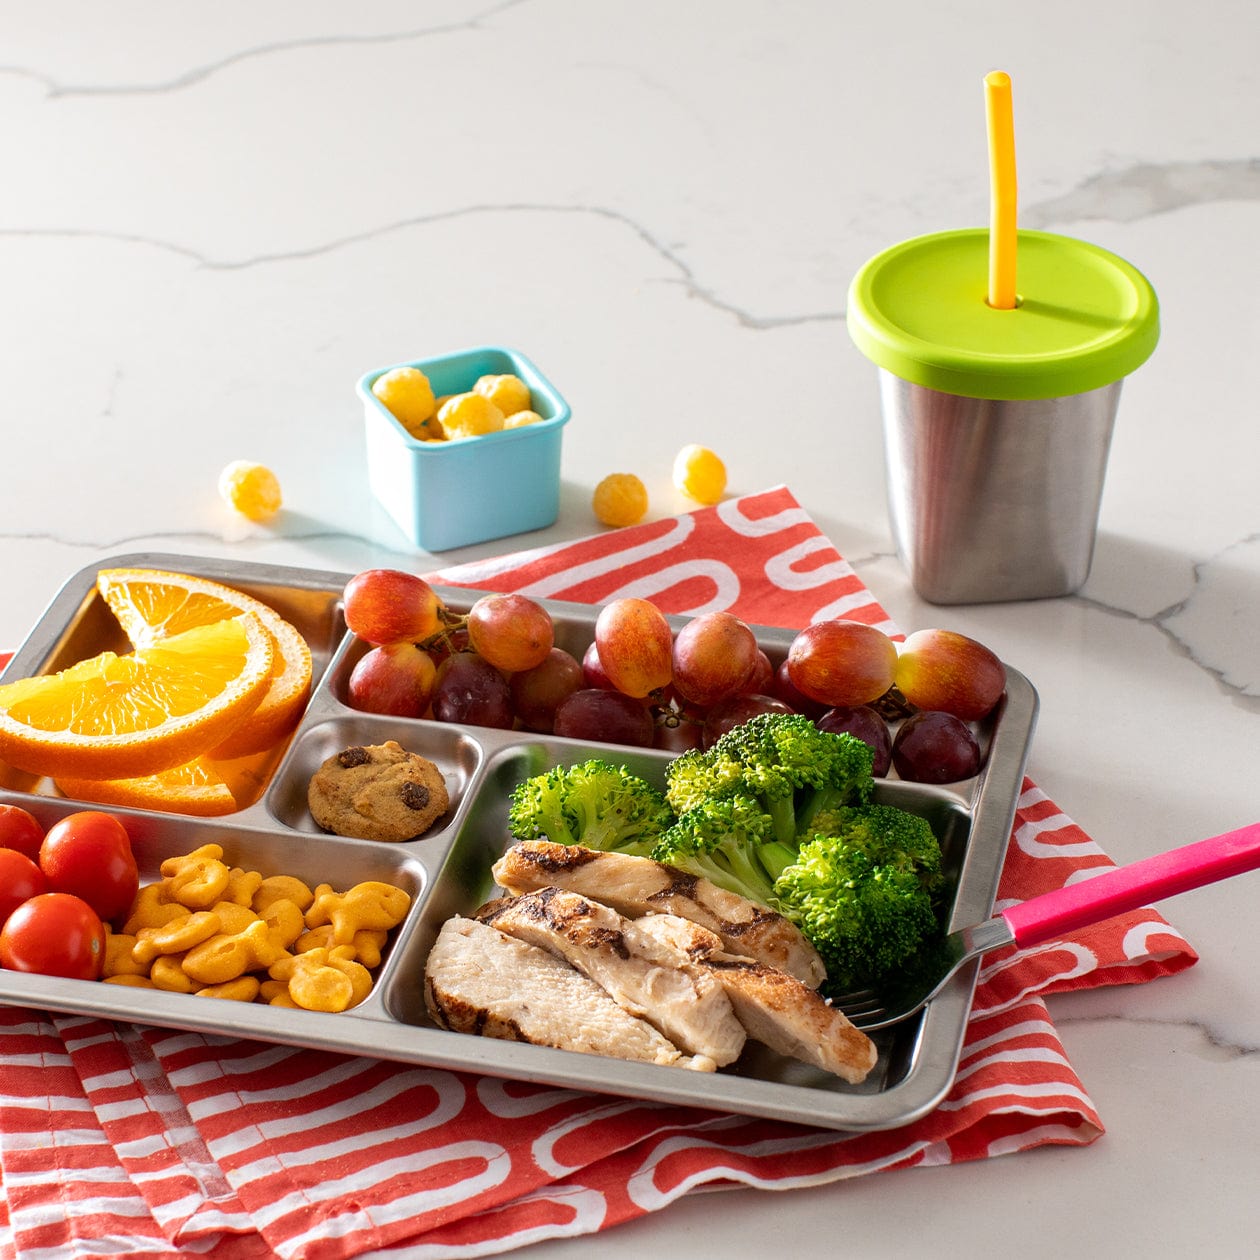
x=1055, y=914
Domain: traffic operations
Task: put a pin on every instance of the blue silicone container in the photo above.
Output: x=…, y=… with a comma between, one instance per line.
x=451, y=494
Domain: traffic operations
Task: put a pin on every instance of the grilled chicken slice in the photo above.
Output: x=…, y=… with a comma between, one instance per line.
x=775, y=1008
x=477, y=980
x=641, y=974
x=636, y=886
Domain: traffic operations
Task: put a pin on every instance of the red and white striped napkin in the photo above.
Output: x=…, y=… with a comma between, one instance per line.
x=162, y=1142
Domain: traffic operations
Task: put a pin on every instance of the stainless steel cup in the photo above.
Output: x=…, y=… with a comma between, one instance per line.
x=995, y=499
x=998, y=422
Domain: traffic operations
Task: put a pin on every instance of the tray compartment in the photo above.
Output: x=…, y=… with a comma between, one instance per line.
x=464, y=882
x=78, y=624
x=455, y=753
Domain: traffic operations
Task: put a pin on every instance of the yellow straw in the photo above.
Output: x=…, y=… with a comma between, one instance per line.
x=1003, y=191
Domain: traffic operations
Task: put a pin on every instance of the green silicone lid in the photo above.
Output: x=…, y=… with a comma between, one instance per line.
x=1084, y=317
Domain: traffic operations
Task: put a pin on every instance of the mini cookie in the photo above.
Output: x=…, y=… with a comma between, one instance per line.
x=377, y=792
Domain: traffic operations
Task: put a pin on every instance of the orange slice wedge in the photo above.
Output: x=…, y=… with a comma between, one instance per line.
x=192, y=788
x=151, y=604
x=120, y=717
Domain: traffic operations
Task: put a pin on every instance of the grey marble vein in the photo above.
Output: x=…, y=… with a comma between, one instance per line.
x=199, y=74
x=1149, y=188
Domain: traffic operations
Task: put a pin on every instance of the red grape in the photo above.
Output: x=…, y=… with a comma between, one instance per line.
x=782, y=689
x=677, y=729
x=512, y=632
x=736, y=710
x=947, y=671
x=713, y=655
x=593, y=672
x=635, y=646
x=862, y=722
x=606, y=716
x=934, y=747
x=537, y=692
x=842, y=662
x=388, y=606
x=469, y=689
x=761, y=681
x=395, y=678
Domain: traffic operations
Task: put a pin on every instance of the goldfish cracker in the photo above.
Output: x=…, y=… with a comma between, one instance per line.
x=241, y=886
x=314, y=938
x=509, y=393
x=371, y=904
x=167, y=973
x=314, y=983
x=233, y=917
x=242, y=989
x=150, y=909
x=367, y=943
x=197, y=879
x=283, y=999
x=342, y=958
x=281, y=887
x=174, y=938
x=130, y=982
x=285, y=923
x=269, y=989
x=119, y=960
x=229, y=955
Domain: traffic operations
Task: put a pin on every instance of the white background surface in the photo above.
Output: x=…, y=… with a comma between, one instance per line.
x=217, y=217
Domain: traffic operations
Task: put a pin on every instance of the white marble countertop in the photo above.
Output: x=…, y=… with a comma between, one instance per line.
x=217, y=217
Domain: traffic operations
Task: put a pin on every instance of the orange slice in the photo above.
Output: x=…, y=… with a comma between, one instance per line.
x=192, y=788
x=151, y=604
x=119, y=717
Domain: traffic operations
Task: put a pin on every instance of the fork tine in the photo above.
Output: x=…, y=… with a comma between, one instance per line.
x=862, y=1007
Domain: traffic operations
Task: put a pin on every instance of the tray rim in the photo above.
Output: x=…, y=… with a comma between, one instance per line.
x=938, y=1036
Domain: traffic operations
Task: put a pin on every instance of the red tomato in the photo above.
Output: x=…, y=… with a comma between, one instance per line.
x=20, y=831
x=88, y=854
x=20, y=880
x=54, y=934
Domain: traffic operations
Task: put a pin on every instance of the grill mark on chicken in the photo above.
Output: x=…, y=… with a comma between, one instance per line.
x=479, y=980
x=774, y=1008
x=636, y=886
x=647, y=977
x=553, y=909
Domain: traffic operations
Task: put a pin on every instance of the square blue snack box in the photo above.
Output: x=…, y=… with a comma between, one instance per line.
x=467, y=490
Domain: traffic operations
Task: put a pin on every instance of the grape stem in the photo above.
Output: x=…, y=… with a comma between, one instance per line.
x=451, y=623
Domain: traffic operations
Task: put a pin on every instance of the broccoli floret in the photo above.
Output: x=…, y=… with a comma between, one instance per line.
x=594, y=804
x=863, y=891
x=723, y=839
x=781, y=760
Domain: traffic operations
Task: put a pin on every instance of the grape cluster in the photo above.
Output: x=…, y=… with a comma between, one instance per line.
x=640, y=683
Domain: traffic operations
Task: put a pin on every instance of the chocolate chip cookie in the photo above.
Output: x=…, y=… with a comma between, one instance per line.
x=377, y=792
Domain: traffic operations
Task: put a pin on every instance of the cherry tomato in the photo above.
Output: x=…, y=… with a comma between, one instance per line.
x=54, y=934
x=20, y=880
x=88, y=854
x=20, y=831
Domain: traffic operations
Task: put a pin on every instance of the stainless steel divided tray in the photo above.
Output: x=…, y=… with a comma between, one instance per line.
x=448, y=870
